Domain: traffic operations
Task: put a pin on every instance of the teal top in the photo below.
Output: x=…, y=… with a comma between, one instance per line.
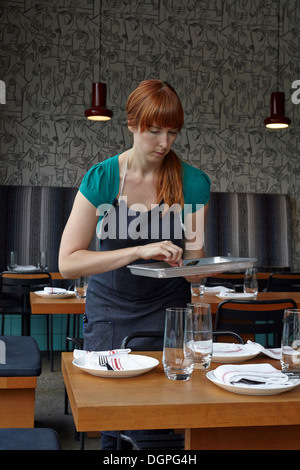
x=100, y=185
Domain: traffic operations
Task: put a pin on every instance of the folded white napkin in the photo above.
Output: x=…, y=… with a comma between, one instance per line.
x=218, y=289
x=115, y=357
x=235, y=295
x=255, y=375
x=233, y=348
x=29, y=267
x=54, y=290
x=274, y=353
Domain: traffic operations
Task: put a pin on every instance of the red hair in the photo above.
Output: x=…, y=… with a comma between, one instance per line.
x=156, y=102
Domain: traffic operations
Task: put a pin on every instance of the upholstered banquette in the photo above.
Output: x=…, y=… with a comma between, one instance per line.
x=32, y=219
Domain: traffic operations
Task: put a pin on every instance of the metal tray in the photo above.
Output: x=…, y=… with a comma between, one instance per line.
x=193, y=267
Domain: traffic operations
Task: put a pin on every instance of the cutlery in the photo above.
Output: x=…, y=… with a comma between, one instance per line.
x=103, y=361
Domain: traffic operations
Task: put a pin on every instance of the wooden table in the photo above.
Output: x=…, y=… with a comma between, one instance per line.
x=214, y=300
x=52, y=306
x=40, y=305
x=17, y=398
x=70, y=305
x=213, y=418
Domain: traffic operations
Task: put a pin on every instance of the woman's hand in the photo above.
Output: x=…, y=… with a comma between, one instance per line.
x=162, y=251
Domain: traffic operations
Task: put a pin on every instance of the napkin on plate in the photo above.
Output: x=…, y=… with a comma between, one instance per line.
x=218, y=289
x=255, y=375
x=55, y=290
x=21, y=269
x=274, y=353
x=235, y=295
x=116, y=357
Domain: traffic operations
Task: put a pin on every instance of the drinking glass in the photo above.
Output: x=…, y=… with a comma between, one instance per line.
x=81, y=285
x=203, y=334
x=43, y=261
x=12, y=260
x=197, y=288
x=290, y=345
x=250, y=281
x=178, y=354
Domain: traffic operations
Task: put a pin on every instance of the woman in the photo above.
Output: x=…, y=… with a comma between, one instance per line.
x=127, y=191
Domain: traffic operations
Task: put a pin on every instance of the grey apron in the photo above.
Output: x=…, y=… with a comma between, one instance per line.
x=118, y=302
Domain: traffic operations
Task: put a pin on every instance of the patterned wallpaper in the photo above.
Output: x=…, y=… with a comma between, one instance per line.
x=220, y=55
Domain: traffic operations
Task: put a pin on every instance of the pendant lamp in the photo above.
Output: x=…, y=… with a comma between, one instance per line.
x=277, y=118
x=98, y=110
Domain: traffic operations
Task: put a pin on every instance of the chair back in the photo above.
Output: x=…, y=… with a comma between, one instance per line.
x=250, y=318
x=234, y=279
x=284, y=282
x=15, y=289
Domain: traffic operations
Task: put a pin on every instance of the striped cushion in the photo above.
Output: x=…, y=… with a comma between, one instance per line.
x=32, y=219
x=250, y=225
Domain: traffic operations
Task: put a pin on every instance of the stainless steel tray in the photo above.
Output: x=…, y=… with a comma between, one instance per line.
x=194, y=267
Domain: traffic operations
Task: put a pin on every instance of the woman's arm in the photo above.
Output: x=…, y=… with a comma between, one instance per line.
x=75, y=259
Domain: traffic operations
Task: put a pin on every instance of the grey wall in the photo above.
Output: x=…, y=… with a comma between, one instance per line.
x=221, y=56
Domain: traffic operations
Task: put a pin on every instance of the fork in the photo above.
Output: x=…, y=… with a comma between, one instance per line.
x=103, y=361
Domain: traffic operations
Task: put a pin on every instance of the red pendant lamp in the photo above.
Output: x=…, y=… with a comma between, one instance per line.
x=277, y=118
x=98, y=110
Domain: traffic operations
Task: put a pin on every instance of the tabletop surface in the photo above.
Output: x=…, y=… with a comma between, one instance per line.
x=151, y=401
x=41, y=305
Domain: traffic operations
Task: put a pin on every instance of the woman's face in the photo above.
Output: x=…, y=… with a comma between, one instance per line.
x=155, y=142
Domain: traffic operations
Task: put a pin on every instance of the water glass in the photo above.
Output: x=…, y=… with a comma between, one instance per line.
x=178, y=355
x=80, y=286
x=250, y=281
x=12, y=260
x=197, y=288
x=203, y=334
x=290, y=345
x=43, y=261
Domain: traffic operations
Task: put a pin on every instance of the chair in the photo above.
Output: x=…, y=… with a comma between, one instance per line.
x=20, y=366
x=159, y=334
x=284, y=282
x=14, y=295
x=234, y=278
x=250, y=318
x=29, y=439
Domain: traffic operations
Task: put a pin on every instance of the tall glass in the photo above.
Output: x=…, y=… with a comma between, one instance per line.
x=178, y=353
x=203, y=334
x=250, y=281
x=290, y=345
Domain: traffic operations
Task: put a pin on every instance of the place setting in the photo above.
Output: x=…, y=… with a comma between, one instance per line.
x=115, y=363
x=260, y=379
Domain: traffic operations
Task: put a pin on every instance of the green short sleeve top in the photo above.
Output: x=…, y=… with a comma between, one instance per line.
x=100, y=185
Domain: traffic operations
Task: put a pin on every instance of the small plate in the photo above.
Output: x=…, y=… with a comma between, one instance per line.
x=236, y=295
x=133, y=364
x=231, y=353
x=55, y=295
x=248, y=390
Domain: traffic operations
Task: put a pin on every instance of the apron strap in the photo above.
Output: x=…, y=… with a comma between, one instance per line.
x=123, y=180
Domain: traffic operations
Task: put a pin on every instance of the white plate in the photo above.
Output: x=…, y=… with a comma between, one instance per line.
x=56, y=295
x=227, y=352
x=248, y=390
x=237, y=296
x=134, y=365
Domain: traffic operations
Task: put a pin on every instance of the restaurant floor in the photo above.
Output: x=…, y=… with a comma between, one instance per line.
x=49, y=407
